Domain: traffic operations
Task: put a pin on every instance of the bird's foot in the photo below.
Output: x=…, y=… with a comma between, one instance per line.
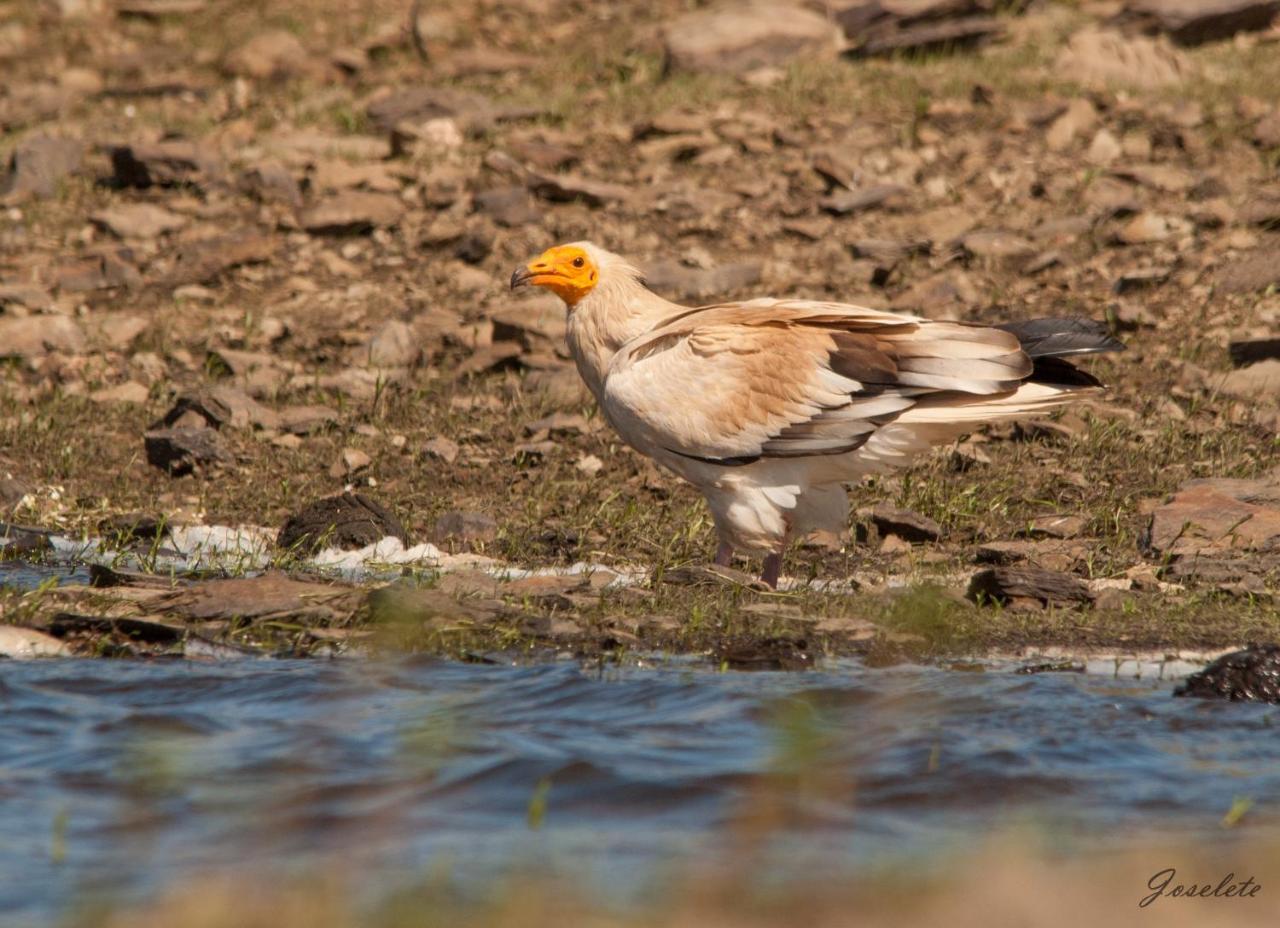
x=724, y=555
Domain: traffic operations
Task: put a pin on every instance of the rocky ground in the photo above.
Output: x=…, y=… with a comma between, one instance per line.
x=252, y=256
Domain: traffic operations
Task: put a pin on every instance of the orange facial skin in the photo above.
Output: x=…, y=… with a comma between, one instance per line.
x=566, y=270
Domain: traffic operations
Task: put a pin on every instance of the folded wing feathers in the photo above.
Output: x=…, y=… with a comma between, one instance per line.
x=789, y=378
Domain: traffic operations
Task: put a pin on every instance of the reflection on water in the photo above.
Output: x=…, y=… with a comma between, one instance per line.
x=24, y=576
x=118, y=777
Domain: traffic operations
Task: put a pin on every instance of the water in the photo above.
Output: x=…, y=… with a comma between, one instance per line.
x=120, y=778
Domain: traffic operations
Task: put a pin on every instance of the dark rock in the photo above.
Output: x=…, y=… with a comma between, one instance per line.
x=1192, y=22
x=166, y=164
x=1253, y=350
x=951, y=35
x=352, y=212
x=734, y=38
x=474, y=246
x=38, y=164
x=133, y=527
x=466, y=527
x=907, y=525
x=772, y=653
x=182, y=451
x=1250, y=675
x=1022, y=585
x=1140, y=278
x=349, y=521
x=23, y=540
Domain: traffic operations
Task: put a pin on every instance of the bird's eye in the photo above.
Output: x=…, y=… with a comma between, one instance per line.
x=579, y=261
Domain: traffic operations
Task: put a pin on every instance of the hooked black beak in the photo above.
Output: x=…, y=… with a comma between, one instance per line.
x=520, y=277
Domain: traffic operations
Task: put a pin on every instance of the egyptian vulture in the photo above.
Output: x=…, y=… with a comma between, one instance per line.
x=771, y=406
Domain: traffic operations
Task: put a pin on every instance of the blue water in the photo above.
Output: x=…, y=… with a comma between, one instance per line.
x=120, y=778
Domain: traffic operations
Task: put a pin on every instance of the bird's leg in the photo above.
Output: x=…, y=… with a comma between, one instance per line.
x=772, y=570
x=724, y=554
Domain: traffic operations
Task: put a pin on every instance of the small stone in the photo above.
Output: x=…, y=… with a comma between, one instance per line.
x=128, y=392
x=565, y=188
x=1259, y=381
x=35, y=336
x=466, y=527
x=394, y=345
x=1080, y=118
x=1028, y=585
x=848, y=202
x=181, y=451
x=38, y=165
x=269, y=55
x=138, y=220
x=1191, y=22
x=905, y=524
x=441, y=449
x=350, y=462
x=740, y=37
x=1102, y=59
x=24, y=643
x=1104, y=149
x=588, y=465
x=352, y=212
x=1055, y=527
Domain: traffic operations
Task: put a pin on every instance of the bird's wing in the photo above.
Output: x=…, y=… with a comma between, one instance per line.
x=789, y=378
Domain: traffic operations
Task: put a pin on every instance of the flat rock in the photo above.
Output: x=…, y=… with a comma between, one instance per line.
x=38, y=164
x=348, y=521
x=181, y=451
x=847, y=202
x=277, y=53
x=23, y=643
x=998, y=246
x=904, y=523
x=428, y=102
x=1251, y=272
x=1192, y=22
x=1028, y=585
x=1212, y=517
x=219, y=406
x=352, y=212
x=1055, y=526
x=1248, y=675
x=394, y=345
x=166, y=164
x=466, y=527
x=34, y=336
x=509, y=207
x=1104, y=58
x=269, y=596
x=1166, y=177
x=675, y=281
x=734, y=38
x=1259, y=381
x=441, y=449
x=128, y=392
x=138, y=220
x=567, y=188
x=925, y=37
x=204, y=261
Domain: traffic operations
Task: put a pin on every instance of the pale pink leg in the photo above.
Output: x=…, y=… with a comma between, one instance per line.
x=724, y=554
